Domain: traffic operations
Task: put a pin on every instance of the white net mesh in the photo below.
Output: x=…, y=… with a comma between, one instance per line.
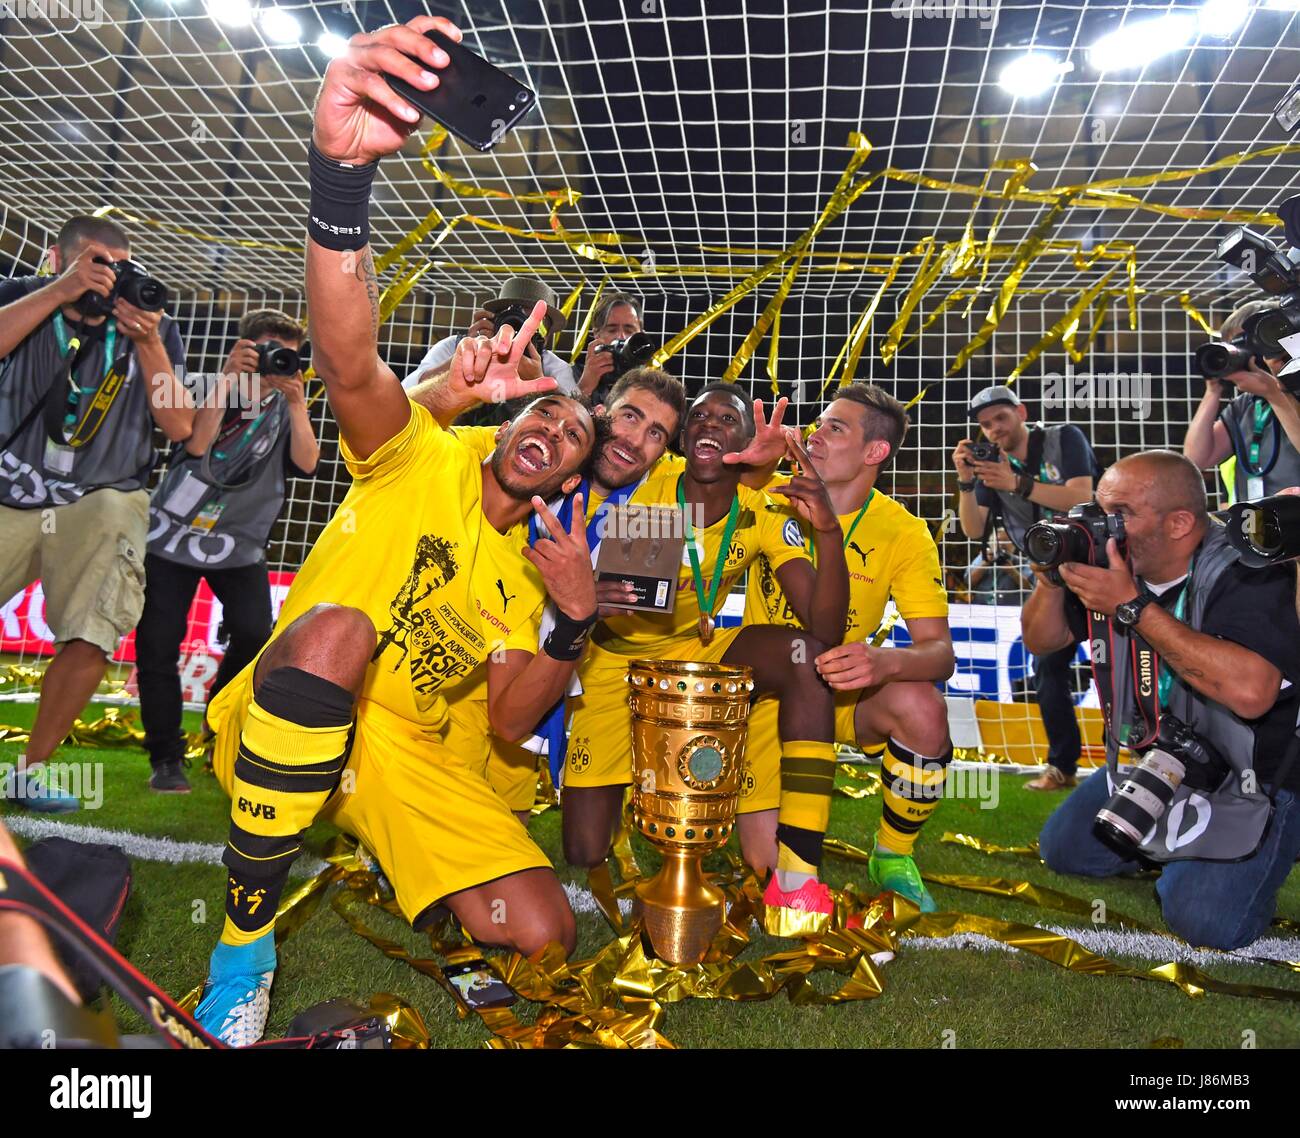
x=696, y=147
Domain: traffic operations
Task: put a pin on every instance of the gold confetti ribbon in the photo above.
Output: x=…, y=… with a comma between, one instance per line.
x=973, y=843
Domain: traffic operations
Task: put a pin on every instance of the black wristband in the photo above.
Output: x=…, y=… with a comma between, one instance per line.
x=965, y=487
x=1025, y=486
x=568, y=638
x=339, y=215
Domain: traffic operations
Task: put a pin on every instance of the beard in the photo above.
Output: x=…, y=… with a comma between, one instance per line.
x=614, y=477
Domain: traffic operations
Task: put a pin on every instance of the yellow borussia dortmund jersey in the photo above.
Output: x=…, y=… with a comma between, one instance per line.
x=411, y=548
x=890, y=553
x=761, y=529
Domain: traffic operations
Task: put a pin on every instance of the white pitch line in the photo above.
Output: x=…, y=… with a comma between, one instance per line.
x=1106, y=942
x=141, y=846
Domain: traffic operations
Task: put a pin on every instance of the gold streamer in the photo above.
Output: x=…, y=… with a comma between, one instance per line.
x=580, y=338
x=1067, y=953
x=1031, y=850
x=1185, y=302
x=844, y=195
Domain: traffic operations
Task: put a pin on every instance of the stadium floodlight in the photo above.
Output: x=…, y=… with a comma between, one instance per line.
x=331, y=44
x=1032, y=74
x=1142, y=42
x=1222, y=17
x=1283, y=5
x=232, y=13
x=279, y=26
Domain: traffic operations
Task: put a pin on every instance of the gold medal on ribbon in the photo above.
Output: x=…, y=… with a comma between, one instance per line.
x=707, y=597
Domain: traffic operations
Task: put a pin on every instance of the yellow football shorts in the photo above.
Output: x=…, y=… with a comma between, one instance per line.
x=760, y=787
x=424, y=811
x=600, y=728
x=510, y=768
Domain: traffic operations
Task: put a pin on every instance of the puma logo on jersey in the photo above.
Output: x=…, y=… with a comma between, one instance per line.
x=257, y=809
x=505, y=600
x=853, y=545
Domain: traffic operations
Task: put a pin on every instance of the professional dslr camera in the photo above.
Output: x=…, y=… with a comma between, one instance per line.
x=1080, y=537
x=513, y=316
x=1268, y=334
x=1179, y=756
x=133, y=284
x=636, y=351
x=273, y=358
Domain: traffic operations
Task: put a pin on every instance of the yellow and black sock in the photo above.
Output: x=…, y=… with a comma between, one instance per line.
x=913, y=785
x=807, y=779
x=291, y=755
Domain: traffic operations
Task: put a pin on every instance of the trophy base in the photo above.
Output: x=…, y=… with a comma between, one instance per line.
x=681, y=911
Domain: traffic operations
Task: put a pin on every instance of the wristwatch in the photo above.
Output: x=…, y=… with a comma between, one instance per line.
x=1130, y=612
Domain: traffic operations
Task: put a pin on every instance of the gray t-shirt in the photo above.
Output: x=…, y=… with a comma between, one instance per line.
x=34, y=472
x=194, y=522
x=1066, y=454
x=1239, y=417
x=442, y=351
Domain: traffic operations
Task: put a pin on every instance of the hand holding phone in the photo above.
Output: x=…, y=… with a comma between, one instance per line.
x=358, y=117
x=474, y=100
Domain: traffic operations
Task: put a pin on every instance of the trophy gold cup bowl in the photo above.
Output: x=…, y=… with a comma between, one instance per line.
x=689, y=723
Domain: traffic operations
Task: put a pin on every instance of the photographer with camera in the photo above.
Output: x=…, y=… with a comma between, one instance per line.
x=1196, y=657
x=88, y=365
x=1015, y=476
x=510, y=308
x=1260, y=425
x=210, y=518
x=618, y=344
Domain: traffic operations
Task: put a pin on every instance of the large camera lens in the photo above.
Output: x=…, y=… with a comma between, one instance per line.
x=1131, y=813
x=639, y=350
x=1267, y=531
x=145, y=293
x=1219, y=359
x=1053, y=543
x=275, y=359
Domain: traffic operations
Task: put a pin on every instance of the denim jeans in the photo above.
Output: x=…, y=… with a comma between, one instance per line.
x=1053, y=681
x=1215, y=904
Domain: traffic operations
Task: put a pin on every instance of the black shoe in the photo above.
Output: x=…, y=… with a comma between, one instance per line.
x=169, y=778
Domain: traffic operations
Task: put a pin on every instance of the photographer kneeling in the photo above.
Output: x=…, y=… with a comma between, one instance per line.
x=1195, y=658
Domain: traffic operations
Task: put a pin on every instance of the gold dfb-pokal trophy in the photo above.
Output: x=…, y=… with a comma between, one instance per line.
x=689, y=723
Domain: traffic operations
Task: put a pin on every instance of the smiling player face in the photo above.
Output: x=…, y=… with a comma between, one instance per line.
x=716, y=424
x=641, y=425
x=543, y=447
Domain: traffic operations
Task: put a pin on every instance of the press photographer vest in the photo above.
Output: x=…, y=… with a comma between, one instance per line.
x=1226, y=824
x=1043, y=463
x=205, y=526
x=121, y=454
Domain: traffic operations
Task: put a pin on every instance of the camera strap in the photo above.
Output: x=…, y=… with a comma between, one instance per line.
x=65, y=397
x=20, y=892
x=1248, y=456
x=230, y=451
x=1110, y=651
x=1033, y=464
